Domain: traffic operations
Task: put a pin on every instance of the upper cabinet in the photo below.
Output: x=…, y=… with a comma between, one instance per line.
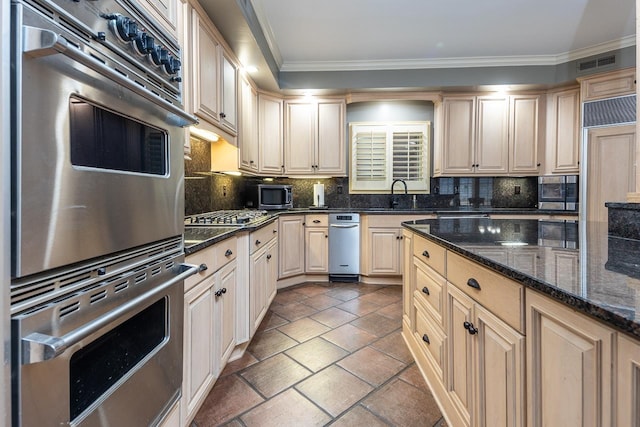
x=314, y=137
x=270, y=134
x=562, y=150
x=248, y=131
x=488, y=135
x=215, y=75
x=608, y=85
x=165, y=12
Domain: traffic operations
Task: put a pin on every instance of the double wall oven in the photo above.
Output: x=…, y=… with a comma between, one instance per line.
x=97, y=214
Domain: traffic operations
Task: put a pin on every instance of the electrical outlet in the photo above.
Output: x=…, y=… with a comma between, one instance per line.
x=339, y=189
x=516, y=189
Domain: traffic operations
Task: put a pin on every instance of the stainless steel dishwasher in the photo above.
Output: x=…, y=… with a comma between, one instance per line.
x=344, y=247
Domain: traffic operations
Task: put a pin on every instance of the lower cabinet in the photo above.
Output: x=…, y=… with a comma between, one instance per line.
x=317, y=250
x=263, y=275
x=627, y=408
x=209, y=325
x=569, y=364
x=291, y=245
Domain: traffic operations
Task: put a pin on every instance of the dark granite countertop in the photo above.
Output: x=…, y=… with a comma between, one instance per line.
x=198, y=237
x=431, y=211
x=587, y=269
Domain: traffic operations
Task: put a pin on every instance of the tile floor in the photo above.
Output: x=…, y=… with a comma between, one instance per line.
x=325, y=354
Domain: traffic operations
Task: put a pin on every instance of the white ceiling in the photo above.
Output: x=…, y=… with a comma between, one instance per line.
x=322, y=35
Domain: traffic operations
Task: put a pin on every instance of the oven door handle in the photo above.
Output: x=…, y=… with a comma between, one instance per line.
x=37, y=347
x=38, y=42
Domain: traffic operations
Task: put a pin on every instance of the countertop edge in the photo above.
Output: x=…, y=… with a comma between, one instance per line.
x=595, y=311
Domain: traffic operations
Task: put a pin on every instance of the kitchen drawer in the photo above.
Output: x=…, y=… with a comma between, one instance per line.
x=226, y=251
x=316, y=220
x=429, y=289
x=205, y=256
x=430, y=253
x=431, y=340
x=262, y=236
x=501, y=296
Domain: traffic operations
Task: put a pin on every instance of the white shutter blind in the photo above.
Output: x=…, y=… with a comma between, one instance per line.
x=371, y=155
x=382, y=152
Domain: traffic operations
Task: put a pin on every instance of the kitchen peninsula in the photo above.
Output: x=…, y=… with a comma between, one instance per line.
x=476, y=290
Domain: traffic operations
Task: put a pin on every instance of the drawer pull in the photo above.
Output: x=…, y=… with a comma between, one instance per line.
x=425, y=290
x=425, y=338
x=218, y=293
x=316, y=221
x=258, y=242
x=469, y=327
x=425, y=254
x=473, y=283
x=202, y=267
x=228, y=253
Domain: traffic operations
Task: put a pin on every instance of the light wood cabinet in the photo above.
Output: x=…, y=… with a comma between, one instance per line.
x=569, y=366
x=488, y=135
x=225, y=299
x=248, y=131
x=214, y=76
x=164, y=12
x=314, y=141
x=271, y=159
x=292, y=245
x=407, y=280
x=608, y=85
x=562, y=149
x=316, y=239
x=263, y=274
x=628, y=388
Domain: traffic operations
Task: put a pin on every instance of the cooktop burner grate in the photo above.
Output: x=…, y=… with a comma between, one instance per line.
x=228, y=217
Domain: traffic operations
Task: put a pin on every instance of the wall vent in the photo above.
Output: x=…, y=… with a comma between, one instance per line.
x=596, y=64
x=609, y=112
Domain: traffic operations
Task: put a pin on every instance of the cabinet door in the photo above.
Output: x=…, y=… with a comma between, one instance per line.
x=270, y=134
x=562, y=150
x=330, y=148
x=248, y=133
x=523, y=134
x=226, y=282
x=459, y=352
x=199, y=351
x=206, y=58
x=628, y=401
x=300, y=138
x=291, y=247
x=408, y=279
x=258, y=272
x=499, y=372
x=459, y=117
x=316, y=250
x=569, y=360
x=492, y=135
x=229, y=94
x=165, y=12
x=271, y=272
x=385, y=250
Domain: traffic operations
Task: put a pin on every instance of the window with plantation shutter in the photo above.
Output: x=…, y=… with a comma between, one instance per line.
x=382, y=152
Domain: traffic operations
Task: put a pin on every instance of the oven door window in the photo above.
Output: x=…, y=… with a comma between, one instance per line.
x=98, y=366
x=102, y=139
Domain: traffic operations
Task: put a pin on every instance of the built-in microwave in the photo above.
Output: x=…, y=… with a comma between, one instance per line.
x=558, y=192
x=269, y=196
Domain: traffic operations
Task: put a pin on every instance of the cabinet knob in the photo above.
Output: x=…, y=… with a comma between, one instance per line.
x=268, y=256
x=473, y=283
x=202, y=267
x=218, y=293
x=251, y=161
x=425, y=254
x=538, y=165
x=426, y=290
x=326, y=236
x=469, y=327
x=223, y=115
x=275, y=231
x=258, y=242
x=224, y=290
x=228, y=253
x=425, y=338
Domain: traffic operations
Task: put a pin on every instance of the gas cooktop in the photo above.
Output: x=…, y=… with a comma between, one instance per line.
x=227, y=218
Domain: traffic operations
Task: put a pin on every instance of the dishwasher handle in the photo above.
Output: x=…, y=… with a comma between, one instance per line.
x=344, y=225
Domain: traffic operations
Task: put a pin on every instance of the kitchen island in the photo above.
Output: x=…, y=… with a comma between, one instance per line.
x=512, y=324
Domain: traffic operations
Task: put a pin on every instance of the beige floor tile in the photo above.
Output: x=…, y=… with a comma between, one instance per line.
x=358, y=307
x=349, y=337
x=229, y=398
x=334, y=317
x=245, y=361
x=293, y=311
x=268, y=343
x=287, y=409
x=395, y=346
x=377, y=324
x=316, y=354
x=275, y=374
x=372, y=365
x=304, y=329
x=358, y=416
x=321, y=302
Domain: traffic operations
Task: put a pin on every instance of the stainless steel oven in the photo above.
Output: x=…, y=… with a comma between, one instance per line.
x=98, y=138
x=97, y=214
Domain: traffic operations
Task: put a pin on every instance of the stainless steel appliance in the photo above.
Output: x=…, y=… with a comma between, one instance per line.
x=98, y=138
x=344, y=246
x=558, y=192
x=97, y=214
x=269, y=196
x=228, y=217
x=558, y=234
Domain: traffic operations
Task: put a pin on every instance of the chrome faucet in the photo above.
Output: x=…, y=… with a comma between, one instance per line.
x=394, y=202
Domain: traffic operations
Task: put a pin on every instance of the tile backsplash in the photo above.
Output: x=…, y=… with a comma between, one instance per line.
x=205, y=191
